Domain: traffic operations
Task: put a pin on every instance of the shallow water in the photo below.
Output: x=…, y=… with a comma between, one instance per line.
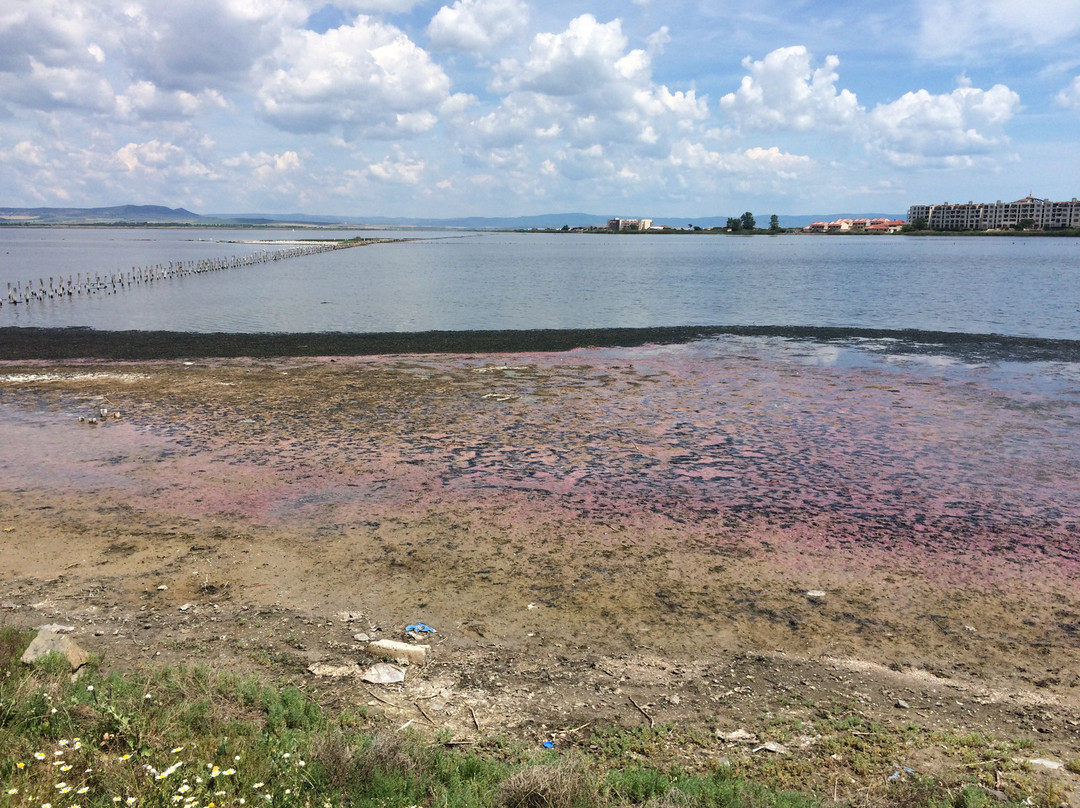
x=506, y=281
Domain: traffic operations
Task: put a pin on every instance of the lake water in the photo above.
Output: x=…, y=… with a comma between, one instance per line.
x=1023, y=287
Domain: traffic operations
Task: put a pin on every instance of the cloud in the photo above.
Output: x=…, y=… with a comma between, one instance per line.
x=949, y=129
x=955, y=28
x=398, y=169
x=782, y=91
x=144, y=101
x=367, y=79
x=202, y=44
x=756, y=160
x=1070, y=96
x=476, y=26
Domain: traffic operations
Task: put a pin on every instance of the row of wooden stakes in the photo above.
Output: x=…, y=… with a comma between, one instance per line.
x=77, y=285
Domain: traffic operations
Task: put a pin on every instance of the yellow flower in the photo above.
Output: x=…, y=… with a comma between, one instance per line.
x=20, y=765
x=13, y=791
x=39, y=755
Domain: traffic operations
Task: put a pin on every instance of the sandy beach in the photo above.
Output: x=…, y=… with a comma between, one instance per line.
x=720, y=535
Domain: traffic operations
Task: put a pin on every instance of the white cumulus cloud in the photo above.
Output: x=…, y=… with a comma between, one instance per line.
x=783, y=91
x=367, y=79
x=949, y=129
x=476, y=26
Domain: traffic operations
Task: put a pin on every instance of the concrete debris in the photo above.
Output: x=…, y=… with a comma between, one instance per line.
x=401, y=652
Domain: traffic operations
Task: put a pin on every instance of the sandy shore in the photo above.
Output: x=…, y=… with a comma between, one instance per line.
x=601, y=537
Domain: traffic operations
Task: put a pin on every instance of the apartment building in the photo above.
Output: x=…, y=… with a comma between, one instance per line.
x=1044, y=214
x=629, y=224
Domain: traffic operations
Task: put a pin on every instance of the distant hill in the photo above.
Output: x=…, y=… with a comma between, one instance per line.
x=118, y=213
x=157, y=214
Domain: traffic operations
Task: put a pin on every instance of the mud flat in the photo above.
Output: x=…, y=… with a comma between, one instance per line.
x=730, y=534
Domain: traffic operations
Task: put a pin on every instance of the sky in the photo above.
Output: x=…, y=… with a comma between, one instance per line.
x=634, y=108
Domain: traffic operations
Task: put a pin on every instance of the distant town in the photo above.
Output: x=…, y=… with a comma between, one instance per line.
x=1028, y=214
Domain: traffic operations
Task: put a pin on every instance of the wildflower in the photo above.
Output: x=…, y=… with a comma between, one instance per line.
x=20, y=765
x=229, y=772
x=126, y=756
x=46, y=805
x=66, y=767
x=257, y=785
x=130, y=800
x=83, y=790
x=236, y=759
x=116, y=799
x=63, y=742
x=58, y=752
x=148, y=696
x=301, y=764
x=78, y=744
x=89, y=688
x=219, y=793
x=287, y=755
x=13, y=791
x=60, y=785
x=177, y=750
x=184, y=789
x=52, y=711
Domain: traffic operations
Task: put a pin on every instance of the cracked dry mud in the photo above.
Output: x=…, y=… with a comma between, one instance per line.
x=601, y=538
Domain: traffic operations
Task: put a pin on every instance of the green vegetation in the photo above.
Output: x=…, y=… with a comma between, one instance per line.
x=196, y=739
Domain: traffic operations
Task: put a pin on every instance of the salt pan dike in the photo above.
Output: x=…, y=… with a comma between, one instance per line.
x=705, y=486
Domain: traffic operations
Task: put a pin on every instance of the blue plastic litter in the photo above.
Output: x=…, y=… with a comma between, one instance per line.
x=549, y=744
x=421, y=627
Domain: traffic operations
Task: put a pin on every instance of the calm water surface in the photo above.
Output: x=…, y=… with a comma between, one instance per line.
x=494, y=281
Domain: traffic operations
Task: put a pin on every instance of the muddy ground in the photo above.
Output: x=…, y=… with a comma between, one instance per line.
x=719, y=540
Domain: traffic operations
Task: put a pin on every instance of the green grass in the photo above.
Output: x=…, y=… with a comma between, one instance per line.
x=192, y=738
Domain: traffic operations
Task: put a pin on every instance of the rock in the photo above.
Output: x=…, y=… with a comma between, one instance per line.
x=333, y=671
x=738, y=736
x=901, y=704
x=383, y=673
x=400, y=651
x=815, y=594
x=50, y=642
x=361, y=637
x=349, y=617
x=773, y=746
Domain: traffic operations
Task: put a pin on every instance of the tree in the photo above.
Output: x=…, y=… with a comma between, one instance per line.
x=733, y=224
x=774, y=224
x=919, y=224
x=747, y=221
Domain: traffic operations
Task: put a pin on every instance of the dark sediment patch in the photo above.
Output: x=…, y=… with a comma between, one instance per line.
x=84, y=343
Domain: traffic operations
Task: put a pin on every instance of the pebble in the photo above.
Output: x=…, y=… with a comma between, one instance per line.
x=901, y=704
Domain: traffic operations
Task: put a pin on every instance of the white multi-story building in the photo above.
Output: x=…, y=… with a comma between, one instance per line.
x=1044, y=214
x=629, y=224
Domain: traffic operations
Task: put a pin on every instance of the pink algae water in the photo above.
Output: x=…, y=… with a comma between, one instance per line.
x=961, y=471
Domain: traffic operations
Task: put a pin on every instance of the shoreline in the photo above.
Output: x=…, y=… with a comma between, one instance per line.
x=70, y=343
x=585, y=530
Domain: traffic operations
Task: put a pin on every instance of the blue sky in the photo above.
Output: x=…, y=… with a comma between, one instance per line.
x=656, y=108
